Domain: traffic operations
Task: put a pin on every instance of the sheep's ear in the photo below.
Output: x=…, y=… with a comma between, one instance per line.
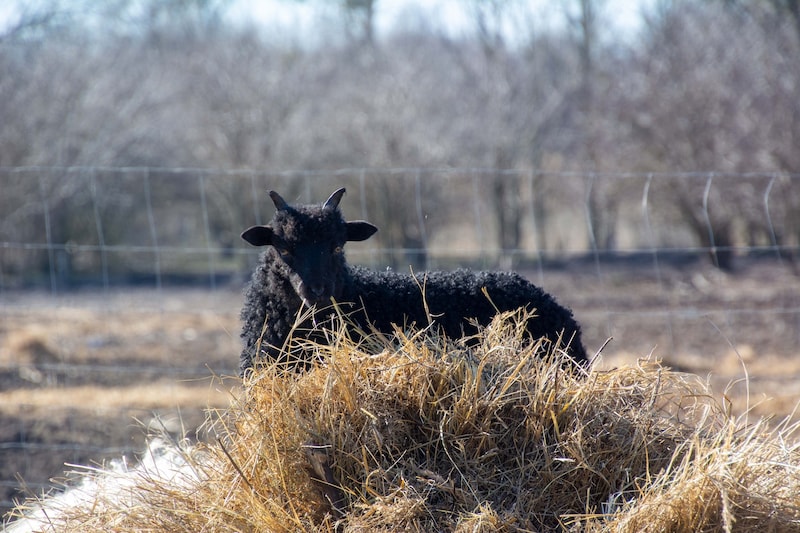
x=360, y=230
x=258, y=235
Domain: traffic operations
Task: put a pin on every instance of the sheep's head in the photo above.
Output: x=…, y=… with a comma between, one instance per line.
x=309, y=241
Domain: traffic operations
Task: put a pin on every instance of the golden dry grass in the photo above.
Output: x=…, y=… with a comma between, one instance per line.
x=418, y=434
x=78, y=335
x=187, y=394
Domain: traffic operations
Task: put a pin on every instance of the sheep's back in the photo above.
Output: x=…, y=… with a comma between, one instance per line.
x=454, y=299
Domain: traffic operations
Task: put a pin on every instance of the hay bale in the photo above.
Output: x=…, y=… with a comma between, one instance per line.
x=416, y=433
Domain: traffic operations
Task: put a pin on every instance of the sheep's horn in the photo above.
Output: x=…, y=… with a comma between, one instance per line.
x=333, y=201
x=280, y=203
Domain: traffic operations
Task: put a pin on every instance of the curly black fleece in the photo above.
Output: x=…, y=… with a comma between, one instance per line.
x=381, y=298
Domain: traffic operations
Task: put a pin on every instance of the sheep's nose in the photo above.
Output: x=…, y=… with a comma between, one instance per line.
x=317, y=290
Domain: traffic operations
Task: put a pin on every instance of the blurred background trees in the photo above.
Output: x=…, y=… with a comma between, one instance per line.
x=704, y=86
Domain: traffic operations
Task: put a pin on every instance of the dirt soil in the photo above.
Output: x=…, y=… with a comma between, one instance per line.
x=85, y=375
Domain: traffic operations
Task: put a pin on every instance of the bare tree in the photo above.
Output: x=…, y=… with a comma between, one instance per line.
x=697, y=99
x=520, y=95
x=361, y=16
x=709, y=88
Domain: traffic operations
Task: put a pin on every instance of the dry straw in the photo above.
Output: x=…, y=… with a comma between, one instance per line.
x=416, y=433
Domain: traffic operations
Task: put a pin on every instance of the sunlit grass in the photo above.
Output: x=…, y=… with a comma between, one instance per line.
x=140, y=396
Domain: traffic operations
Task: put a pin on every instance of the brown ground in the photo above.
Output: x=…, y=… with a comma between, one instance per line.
x=83, y=375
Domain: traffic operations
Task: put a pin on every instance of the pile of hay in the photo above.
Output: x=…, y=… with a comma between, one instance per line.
x=419, y=434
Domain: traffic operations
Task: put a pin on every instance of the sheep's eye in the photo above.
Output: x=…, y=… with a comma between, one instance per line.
x=285, y=253
x=337, y=250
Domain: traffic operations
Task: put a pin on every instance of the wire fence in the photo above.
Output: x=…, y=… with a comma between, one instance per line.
x=120, y=287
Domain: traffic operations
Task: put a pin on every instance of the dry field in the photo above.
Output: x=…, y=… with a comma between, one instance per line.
x=83, y=375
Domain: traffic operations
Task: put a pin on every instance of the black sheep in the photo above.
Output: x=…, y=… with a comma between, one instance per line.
x=303, y=271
